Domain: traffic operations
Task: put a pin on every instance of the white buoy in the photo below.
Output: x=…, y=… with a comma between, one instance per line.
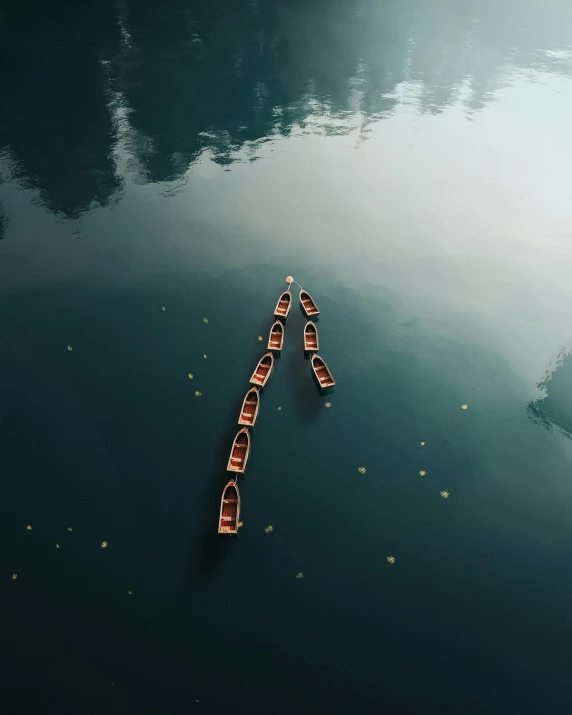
x=289, y=280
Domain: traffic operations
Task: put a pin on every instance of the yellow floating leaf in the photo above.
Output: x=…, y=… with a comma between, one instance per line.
x=163, y=308
x=205, y=320
x=104, y=544
x=197, y=393
x=328, y=404
x=362, y=470
x=29, y=527
x=239, y=524
x=260, y=337
x=57, y=546
x=299, y=575
x=191, y=376
x=70, y=348
x=391, y=559
x=422, y=472
x=279, y=409
x=204, y=356
x=464, y=407
x=130, y=593
x=269, y=529
x=69, y=528
x=445, y=495
x=422, y=444
x=14, y=576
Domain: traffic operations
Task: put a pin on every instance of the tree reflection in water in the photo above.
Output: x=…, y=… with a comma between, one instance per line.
x=171, y=80
x=553, y=410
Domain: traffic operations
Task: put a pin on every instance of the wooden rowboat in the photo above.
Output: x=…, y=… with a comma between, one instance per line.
x=322, y=372
x=284, y=304
x=308, y=305
x=263, y=369
x=276, y=338
x=229, y=510
x=239, y=452
x=311, y=337
x=250, y=405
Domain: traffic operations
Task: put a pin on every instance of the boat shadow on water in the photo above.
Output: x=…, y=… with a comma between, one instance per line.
x=299, y=375
x=209, y=550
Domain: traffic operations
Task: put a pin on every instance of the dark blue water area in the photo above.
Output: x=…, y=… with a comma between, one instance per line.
x=115, y=445
x=163, y=168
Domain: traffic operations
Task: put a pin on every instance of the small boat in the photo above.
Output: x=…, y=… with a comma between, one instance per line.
x=311, y=337
x=229, y=510
x=262, y=373
x=308, y=305
x=250, y=405
x=322, y=372
x=284, y=304
x=276, y=336
x=239, y=452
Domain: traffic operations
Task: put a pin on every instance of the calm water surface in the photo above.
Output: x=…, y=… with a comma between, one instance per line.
x=409, y=163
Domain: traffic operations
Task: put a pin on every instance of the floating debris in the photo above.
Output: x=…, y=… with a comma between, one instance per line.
x=299, y=575
x=57, y=546
x=362, y=470
x=104, y=544
x=239, y=524
x=205, y=320
x=269, y=529
x=464, y=407
x=422, y=472
x=204, y=356
x=69, y=528
x=191, y=376
x=260, y=338
x=422, y=444
x=130, y=593
x=391, y=559
x=445, y=495
x=70, y=348
x=29, y=527
x=197, y=393
x=14, y=577
x=279, y=409
x=328, y=404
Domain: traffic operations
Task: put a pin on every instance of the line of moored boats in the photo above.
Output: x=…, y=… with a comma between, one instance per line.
x=229, y=516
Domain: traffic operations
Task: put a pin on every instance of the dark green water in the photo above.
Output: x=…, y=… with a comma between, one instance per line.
x=409, y=163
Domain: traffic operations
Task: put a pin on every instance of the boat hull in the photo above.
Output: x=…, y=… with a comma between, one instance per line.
x=311, y=338
x=308, y=306
x=263, y=370
x=322, y=375
x=282, y=310
x=276, y=337
x=250, y=408
x=229, y=515
x=239, y=452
